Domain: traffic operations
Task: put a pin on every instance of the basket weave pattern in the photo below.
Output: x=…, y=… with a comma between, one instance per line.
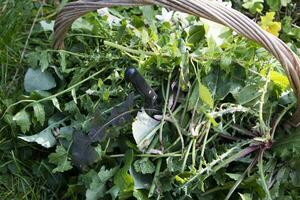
x=203, y=8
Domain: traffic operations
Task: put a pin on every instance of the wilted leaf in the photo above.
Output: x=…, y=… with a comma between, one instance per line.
x=39, y=112
x=143, y=129
x=60, y=159
x=22, y=119
x=35, y=79
x=44, y=138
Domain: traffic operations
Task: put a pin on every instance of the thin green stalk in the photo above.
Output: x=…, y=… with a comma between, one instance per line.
x=261, y=105
x=155, y=179
x=204, y=144
x=130, y=50
x=262, y=175
x=166, y=97
x=186, y=155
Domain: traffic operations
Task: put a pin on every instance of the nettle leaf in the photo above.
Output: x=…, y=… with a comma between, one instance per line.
x=144, y=166
x=44, y=138
x=36, y=79
x=143, y=129
x=39, y=112
x=22, y=119
x=60, y=159
x=83, y=153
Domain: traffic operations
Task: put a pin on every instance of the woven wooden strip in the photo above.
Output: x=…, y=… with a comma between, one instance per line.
x=203, y=8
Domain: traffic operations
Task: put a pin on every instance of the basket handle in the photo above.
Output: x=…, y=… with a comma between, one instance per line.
x=211, y=10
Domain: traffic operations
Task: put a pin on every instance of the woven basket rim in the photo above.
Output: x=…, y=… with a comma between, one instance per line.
x=211, y=10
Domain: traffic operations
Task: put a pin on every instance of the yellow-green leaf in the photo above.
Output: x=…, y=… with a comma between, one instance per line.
x=268, y=23
x=206, y=96
x=277, y=78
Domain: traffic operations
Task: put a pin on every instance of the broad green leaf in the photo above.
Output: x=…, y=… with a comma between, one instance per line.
x=44, y=138
x=35, y=79
x=206, y=96
x=22, y=119
x=60, y=159
x=143, y=129
x=39, y=112
x=247, y=94
x=268, y=23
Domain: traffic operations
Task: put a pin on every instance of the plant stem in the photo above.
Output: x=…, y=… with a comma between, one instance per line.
x=155, y=179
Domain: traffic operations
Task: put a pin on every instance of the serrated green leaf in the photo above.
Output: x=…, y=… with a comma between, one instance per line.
x=39, y=112
x=60, y=159
x=22, y=119
x=206, y=96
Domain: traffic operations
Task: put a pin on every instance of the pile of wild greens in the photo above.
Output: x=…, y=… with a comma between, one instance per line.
x=72, y=127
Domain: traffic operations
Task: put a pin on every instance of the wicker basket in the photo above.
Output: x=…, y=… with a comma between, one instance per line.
x=203, y=8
